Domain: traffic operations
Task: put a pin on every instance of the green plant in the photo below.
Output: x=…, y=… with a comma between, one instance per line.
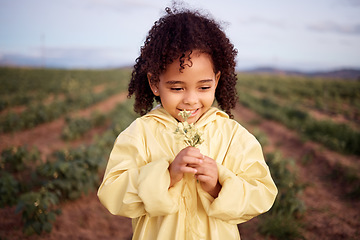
x=282, y=221
x=38, y=211
x=188, y=133
x=37, y=188
x=349, y=178
x=260, y=136
x=280, y=227
x=338, y=137
x=75, y=128
x=97, y=118
x=9, y=189
x=71, y=90
x=73, y=172
x=16, y=159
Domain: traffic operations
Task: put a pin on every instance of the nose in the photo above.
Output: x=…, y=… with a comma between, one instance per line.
x=191, y=98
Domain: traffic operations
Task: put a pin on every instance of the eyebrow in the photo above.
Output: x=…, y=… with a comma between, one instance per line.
x=181, y=82
x=174, y=82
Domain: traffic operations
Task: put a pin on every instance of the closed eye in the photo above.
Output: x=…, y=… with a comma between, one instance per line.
x=176, y=88
x=204, y=88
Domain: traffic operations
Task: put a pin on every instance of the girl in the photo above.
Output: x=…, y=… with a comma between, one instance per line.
x=174, y=191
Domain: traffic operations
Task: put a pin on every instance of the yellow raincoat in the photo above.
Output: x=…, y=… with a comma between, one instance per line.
x=136, y=181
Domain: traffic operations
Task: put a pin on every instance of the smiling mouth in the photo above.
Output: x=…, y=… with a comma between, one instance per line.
x=192, y=112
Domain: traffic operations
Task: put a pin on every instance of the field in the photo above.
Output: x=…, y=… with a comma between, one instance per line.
x=57, y=128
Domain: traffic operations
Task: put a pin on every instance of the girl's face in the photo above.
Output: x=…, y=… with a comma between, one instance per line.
x=193, y=89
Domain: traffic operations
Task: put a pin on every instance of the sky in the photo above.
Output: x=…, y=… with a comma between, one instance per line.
x=303, y=35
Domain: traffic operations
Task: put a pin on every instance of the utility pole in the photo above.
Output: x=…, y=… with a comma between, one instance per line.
x=43, y=53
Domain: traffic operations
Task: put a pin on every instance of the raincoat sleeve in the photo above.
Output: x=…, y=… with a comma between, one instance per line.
x=132, y=187
x=247, y=187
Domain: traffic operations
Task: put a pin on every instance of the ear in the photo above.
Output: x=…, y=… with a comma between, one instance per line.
x=154, y=86
x=217, y=77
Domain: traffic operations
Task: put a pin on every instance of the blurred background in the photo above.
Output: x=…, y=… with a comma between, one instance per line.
x=64, y=70
x=293, y=35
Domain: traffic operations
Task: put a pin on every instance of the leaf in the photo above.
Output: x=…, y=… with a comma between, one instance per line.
x=47, y=227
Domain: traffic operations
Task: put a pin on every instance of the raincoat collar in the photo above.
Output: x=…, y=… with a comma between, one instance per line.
x=162, y=116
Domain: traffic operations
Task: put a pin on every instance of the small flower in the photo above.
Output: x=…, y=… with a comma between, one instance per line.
x=188, y=132
x=185, y=115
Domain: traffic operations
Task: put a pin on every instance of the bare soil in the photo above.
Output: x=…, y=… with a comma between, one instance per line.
x=47, y=137
x=84, y=218
x=317, y=114
x=329, y=215
x=50, y=99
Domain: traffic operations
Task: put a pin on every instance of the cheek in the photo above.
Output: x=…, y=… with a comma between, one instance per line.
x=169, y=100
x=209, y=97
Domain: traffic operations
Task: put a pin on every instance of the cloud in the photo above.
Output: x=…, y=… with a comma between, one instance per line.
x=122, y=6
x=335, y=27
x=278, y=23
x=69, y=58
x=355, y=3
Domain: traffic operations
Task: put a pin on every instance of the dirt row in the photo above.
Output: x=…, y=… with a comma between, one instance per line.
x=50, y=99
x=315, y=113
x=84, y=218
x=329, y=214
x=47, y=137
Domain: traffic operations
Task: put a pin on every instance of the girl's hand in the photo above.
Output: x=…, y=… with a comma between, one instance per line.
x=190, y=160
x=208, y=176
x=184, y=162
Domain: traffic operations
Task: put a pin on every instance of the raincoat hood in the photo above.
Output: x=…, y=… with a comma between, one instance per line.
x=137, y=179
x=162, y=116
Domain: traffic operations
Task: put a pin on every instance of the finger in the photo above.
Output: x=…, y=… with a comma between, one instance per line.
x=204, y=171
x=196, y=163
x=186, y=169
x=193, y=165
x=190, y=160
x=209, y=163
x=208, y=159
x=207, y=168
x=194, y=152
x=203, y=178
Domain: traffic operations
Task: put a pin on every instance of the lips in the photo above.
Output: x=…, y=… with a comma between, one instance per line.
x=193, y=112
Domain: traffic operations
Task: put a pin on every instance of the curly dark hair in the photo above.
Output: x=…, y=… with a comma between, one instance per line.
x=174, y=36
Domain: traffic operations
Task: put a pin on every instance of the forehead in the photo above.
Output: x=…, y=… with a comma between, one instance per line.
x=198, y=67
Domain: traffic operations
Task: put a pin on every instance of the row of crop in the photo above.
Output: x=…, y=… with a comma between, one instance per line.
x=24, y=86
x=70, y=173
x=284, y=220
x=67, y=174
x=349, y=113
x=332, y=96
x=338, y=137
x=302, y=87
x=40, y=113
x=77, y=127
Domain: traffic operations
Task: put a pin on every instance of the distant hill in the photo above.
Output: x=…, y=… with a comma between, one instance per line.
x=349, y=74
